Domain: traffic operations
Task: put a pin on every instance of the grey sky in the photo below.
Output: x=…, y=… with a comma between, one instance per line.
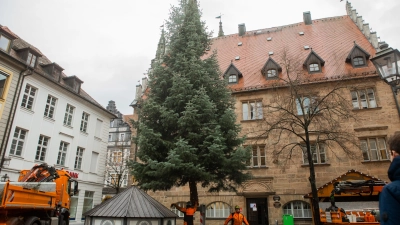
x=109, y=44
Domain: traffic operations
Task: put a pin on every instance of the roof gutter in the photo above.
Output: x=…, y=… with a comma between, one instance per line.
x=4, y=142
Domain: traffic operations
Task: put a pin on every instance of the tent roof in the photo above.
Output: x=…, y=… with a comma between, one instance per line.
x=133, y=203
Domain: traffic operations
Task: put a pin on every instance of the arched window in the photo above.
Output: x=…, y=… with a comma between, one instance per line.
x=298, y=209
x=358, y=61
x=218, y=210
x=314, y=67
x=176, y=211
x=271, y=73
x=232, y=78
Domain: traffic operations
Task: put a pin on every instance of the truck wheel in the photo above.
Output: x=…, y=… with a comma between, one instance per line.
x=14, y=221
x=32, y=220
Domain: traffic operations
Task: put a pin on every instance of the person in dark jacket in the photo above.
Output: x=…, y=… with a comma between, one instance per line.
x=389, y=199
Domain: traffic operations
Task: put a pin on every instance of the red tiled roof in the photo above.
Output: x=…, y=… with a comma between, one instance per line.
x=19, y=44
x=330, y=38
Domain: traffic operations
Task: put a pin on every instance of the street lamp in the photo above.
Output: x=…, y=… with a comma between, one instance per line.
x=4, y=178
x=387, y=63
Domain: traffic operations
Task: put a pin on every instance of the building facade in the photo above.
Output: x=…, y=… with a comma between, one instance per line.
x=322, y=51
x=119, y=149
x=58, y=123
x=12, y=72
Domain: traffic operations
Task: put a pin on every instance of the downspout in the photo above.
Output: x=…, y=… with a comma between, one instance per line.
x=394, y=91
x=11, y=117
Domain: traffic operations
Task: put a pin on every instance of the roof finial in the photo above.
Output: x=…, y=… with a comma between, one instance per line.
x=220, y=32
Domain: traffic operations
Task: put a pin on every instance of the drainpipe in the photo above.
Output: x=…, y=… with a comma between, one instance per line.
x=394, y=91
x=11, y=116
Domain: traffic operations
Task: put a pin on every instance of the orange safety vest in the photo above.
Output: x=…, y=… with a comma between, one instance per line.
x=238, y=219
x=188, y=214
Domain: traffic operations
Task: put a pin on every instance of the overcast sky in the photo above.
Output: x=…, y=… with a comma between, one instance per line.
x=109, y=44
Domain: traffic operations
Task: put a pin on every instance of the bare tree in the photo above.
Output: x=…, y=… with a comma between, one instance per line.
x=117, y=169
x=304, y=114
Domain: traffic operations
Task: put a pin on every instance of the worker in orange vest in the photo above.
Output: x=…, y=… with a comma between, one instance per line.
x=188, y=212
x=236, y=217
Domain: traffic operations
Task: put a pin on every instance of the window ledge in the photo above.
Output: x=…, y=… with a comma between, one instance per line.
x=16, y=156
x=61, y=166
x=257, y=167
x=367, y=109
x=49, y=119
x=80, y=170
x=27, y=110
x=93, y=173
x=68, y=126
x=84, y=133
x=246, y=121
x=377, y=161
x=39, y=161
x=97, y=138
x=316, y=164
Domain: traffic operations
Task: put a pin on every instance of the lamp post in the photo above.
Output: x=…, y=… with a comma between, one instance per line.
x=387, y=63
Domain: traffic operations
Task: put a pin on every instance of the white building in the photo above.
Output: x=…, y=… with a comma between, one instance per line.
x=57, y=123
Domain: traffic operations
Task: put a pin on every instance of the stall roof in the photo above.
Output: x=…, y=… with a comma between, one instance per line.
x=132, y=203
x=326, y=189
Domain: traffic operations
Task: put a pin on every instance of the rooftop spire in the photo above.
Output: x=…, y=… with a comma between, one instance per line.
x=220, y=32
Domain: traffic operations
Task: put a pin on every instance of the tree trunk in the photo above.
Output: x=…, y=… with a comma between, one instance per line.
x=194, y=196
x=314, y=200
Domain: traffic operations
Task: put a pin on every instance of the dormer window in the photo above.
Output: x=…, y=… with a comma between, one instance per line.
x=314, y=63
x=4, y=43
x=271, y=69
x=232, y=74
x=232, y=78
x=53, y=70
x=271, y=73
x=31, y=59
x=314, y=67
x=29, y=54
x=357, y=56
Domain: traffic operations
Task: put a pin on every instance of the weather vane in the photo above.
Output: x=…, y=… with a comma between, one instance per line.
x=219, y=17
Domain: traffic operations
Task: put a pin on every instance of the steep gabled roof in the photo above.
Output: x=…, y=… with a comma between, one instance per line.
x=332, y=38
x=313, y=54
x=356, y=47
x=20, y=44
x=133, y=203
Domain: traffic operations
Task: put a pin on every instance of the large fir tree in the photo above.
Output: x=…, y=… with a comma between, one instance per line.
x=187, y=124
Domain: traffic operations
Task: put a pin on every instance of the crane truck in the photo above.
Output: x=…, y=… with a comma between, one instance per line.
x=40, y=197
x=334, y=215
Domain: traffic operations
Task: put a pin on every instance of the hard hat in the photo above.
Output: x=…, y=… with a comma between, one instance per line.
x=188, y=204
x=237, y=207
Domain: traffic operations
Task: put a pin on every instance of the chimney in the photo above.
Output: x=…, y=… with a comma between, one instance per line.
x=354, y=15
x=307, y=18
x=242, y=29
x=366, y=30
x=138, y=93
x=374, y=40
x=360, y=23
x=144, y=83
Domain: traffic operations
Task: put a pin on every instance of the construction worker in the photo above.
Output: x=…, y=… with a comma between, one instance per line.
x=236, y=217
x=188, y=212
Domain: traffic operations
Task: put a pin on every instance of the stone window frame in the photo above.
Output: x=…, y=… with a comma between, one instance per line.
x=369, y=103
x=258, y=156
x=317, y=154
x=218, y=209
x=367, y=149
x=305, y=209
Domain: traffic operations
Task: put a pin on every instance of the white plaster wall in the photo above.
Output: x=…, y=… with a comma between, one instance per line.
x=36, y=124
